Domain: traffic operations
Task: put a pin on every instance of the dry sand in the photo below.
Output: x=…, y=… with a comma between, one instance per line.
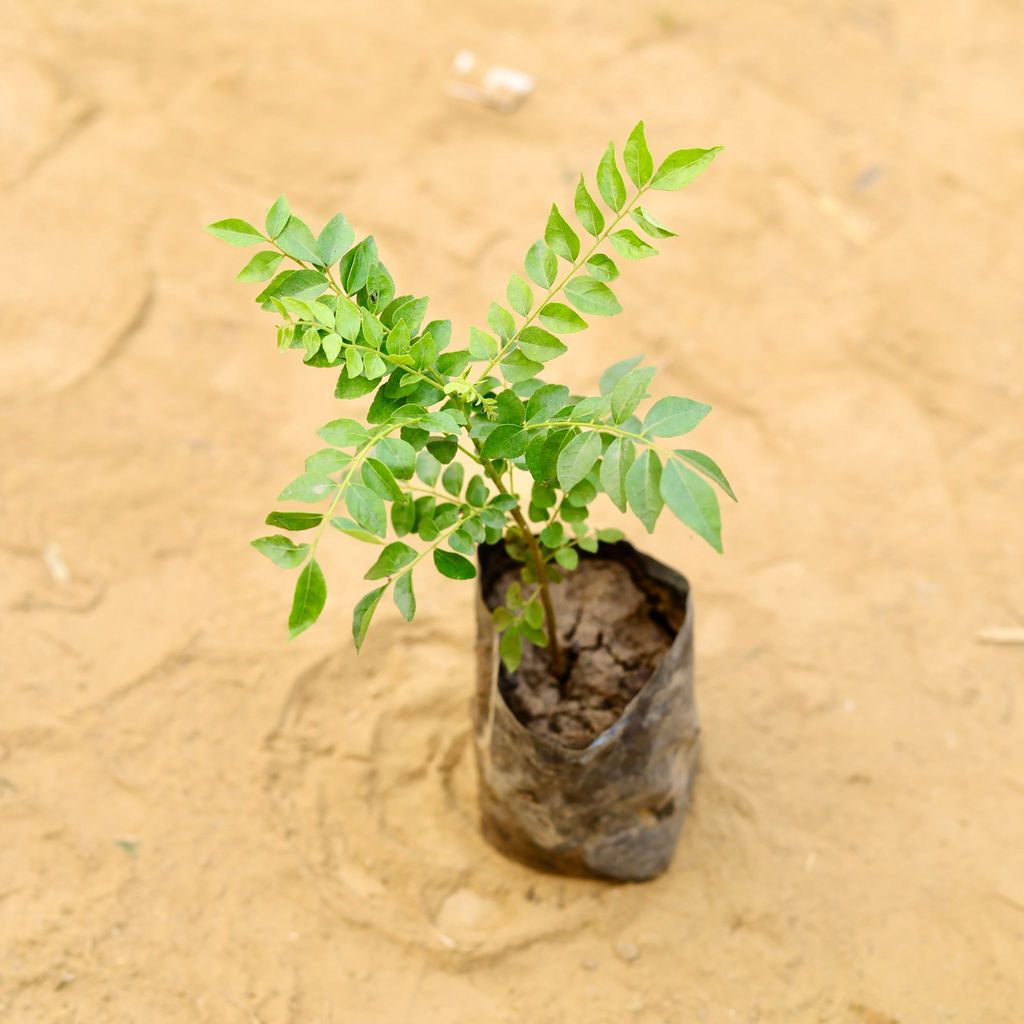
x=203, y=822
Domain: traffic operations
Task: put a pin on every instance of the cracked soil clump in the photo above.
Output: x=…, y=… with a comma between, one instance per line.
x=612, y=638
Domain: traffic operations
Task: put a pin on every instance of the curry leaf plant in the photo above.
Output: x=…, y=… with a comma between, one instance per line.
x=466, y=442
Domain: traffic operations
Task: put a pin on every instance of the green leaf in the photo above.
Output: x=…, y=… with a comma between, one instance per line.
x=411, y=310
x=616, y=372
x=578, y=458
x=517, y=367
x=442, y=332
x=541, y=264
x=344, y=433
x=541, y=496
x=348, y=319
x=277, y=216
x=355, y=265
x=643, y=488
x=373, y=329
x=502, y=618
x=311, y=341
x=331, y=344
x=281, y=550
x=681, y=167
x=618, y=459
x=509, y=408
x=609, y=180
x=363, y=613
x=298, y=241
x=403, y=516
x=591, y=410
x=235, y=232
x=628, y=392
x=395, y=556
x=352, y=387
x=539, y=345
x=553, y=535
x=381, y=481
x=610, y=535
x=591, y=296
x=520, y=295
x=261, y=267
x=379, y=289
x=510, y=647
x=336, y=238
x=352, y=529
x=562, y=239
x=706, y=465
x=693, y=500
x=461, y=541
x=573, y=513
x=454, y=566
x=353, y=361
x=297, y=284
x=670, y=417
x=542, y=454
x=567, y=558
x=309, y=487
x=398, y=341
x=309, y=600
x=506, y=441
x=602, y=267
x=588, y=212
x=545, y=402
x=398, y=455
x=443, y=450
x=294, y=520
x=629, y=244
x=637, y=157
x=481, y=344
x=501, y=321
x=367, y=509
x=451, y=479
x=534, y=613
x=440, y=422
x=582, y=494
x=652, y=226
x=560, y=318
x=327, y=461
x=428, y=469
x=405, y=597
x=476, y=491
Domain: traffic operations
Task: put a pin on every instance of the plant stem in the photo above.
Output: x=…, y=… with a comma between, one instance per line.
x=539, y=570
x=576, y=265
x=557, y=659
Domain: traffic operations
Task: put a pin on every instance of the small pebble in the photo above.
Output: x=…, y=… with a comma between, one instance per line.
x=628, y=951
x=589, y=965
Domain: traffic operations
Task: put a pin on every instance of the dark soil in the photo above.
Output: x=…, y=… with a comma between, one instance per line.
x=612, y=635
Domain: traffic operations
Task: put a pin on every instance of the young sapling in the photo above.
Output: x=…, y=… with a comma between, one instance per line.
x=470, y=444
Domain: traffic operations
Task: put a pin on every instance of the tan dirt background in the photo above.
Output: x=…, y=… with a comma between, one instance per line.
x=203, y=822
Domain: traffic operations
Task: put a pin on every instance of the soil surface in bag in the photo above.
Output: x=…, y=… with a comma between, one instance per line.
x=613, y=633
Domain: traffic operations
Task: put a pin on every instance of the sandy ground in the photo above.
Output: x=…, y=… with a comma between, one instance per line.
x=203, y=822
